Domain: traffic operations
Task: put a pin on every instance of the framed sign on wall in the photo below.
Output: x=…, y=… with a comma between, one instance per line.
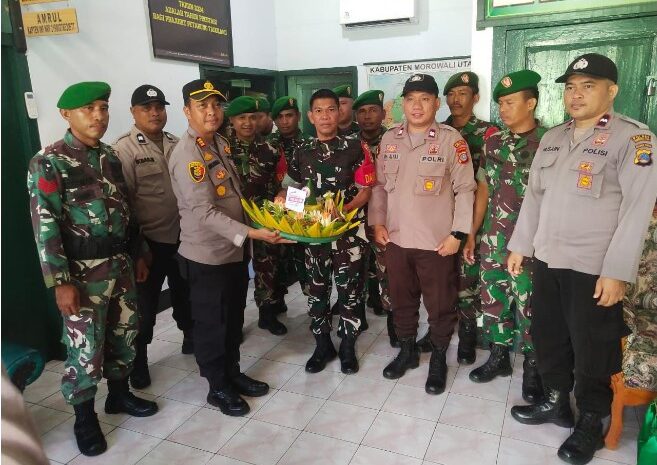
x=195, y=30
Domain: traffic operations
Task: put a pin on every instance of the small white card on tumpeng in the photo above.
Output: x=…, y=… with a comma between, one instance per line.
x=295, y=199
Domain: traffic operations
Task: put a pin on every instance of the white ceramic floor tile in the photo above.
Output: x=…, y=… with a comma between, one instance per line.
x=381, y=346
x=158, y=350
x=45, y=385
x=207, y=429
x=246, y=362
x=46, y=418
x=514, y=452
x=318, y=450
x=223, y=460
x=163, y=378
x=371, y=456
x=627, y=448
x=124, y=447
x=321, y=384
x=456, y=446
x=365, y=392
x=290, y=352
x=415, y=402
x=185, y=362
x=474, y=413
x=260, y=443
x=497, y=389
x=169, y=453
x=192, y=390
x=400, y=434
x=170, y=416
x=257, y=346
x=372, y=365
x=289, y=409
x=276, y=374
x=342, y=421
x=171, y=335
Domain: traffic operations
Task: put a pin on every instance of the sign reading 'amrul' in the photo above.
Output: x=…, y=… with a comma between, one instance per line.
x=198, y=30
x=50, y=22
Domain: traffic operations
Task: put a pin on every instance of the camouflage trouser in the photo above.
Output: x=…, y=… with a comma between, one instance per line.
x=267, y=261
x=469, y=301
x=505, y=302
x=343, y=258
x=103, y=334
x=381, y=275
x=293, y=268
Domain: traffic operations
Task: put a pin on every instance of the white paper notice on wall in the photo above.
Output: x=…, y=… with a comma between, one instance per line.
x=295, y=199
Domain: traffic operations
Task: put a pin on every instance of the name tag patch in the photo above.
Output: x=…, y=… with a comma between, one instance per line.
x=139, y=161
x=552, y=149
x=602, y=153
x=391, y=156
x=432, y=159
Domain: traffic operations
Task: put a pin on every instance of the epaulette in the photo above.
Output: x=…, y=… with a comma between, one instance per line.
x=634, y=122
x=447, y=126
x=169, y=136
x=122, y=136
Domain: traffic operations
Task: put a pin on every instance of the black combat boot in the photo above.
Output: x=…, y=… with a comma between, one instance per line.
x=247, y=386
x=437, y=378
x=267, y=320
x=281, y=307
x=347, y=354
x=498, y=364
x=374, y=298
x=140, y=378
x=555, y=408
x=121, y=400
x=88, y=435
x=324, y=353
x=466, y=352
x=228, y=401
x=361, y=314
x=408, y=357
x=392, y=335
x=587, y=438
x=532, y=387
x=424, y=343
x=187, y=344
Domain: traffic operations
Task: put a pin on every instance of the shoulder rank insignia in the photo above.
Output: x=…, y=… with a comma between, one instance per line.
x=226, y=150
x=200, y=142
x=167, y=135
x=140, y=138
x=432, y=133
x=196, y=171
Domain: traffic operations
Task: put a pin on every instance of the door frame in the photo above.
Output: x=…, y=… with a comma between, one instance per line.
x=284, y=76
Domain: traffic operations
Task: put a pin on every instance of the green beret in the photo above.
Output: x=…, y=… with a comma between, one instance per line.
x=263, y=104
x=83, y=93
x=243, y=104
x=284, y=103
x=371, y=97
x=468, y=78
x=343, y=91
x=515, y=82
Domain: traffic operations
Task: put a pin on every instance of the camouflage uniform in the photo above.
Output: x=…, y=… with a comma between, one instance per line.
x=376, y=278
x=469, y=301
x=505, y=300
x=640, y=305
x=330, y=166
x=256, y=164
x=294, y=255
x=78, y=200
x=353, y=129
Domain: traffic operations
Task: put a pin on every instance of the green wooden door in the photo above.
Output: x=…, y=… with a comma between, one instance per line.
x=303, y=86
x=631, y=43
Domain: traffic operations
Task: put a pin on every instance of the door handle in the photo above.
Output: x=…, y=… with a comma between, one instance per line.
x=652, y=86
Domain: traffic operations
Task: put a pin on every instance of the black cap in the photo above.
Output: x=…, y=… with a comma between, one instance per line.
x=147, y=93
x=592, y=64
x=200, y=89
x=422, y=83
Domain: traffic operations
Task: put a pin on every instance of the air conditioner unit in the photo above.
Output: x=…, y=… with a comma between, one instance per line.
x=362, y=13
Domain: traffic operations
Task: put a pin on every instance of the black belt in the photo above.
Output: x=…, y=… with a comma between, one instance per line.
x=93, y=248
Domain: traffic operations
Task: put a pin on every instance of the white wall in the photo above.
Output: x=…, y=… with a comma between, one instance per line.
x=482, y=62
x=308, y=35
x=114, y=45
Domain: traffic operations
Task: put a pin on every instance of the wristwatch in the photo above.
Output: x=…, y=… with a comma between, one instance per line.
x=459, y=235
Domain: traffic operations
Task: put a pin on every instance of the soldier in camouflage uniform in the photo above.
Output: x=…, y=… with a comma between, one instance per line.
x=285, y=111
x=370, y=114
x=346, y=124
x=264, y=123
x=331, y=163
x=80, y=217
x=256, y=161
x=505, y=299
x=462, y=92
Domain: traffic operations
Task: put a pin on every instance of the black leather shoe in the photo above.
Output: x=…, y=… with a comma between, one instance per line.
x=248, y=386
x=555, y=408
x=140, y=378
x=437, y=378
x=532, y=387
x=121, y=400
x=347, y=354
x=587, y=438
x=324, y=353
x=229, y=402
x=267, y=320
x=188, y=343
x=498, y=364
x=408, y=358
x=392, y=335
x=88, y=435
x=281, y=308
x=424, y=343
x=466, y=353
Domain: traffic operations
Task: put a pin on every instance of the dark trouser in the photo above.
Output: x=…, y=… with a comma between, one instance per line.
x=164, y=265
x=571, y=333
x=414, y=273
x=218, y=296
